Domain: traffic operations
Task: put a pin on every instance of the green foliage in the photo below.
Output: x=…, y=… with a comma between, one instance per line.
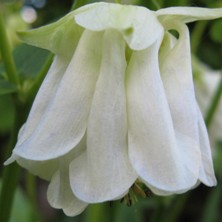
x=216, y=31
x=6, y=114
x=7, y=87
x=21, y=209
x=29, y=60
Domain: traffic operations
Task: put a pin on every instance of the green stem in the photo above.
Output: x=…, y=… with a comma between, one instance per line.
x=97, y=212
x=31, y=192
x=172, y=213
x=152, y=4
x=9, y=184
x=10, y=173
x=214, y=104
x=158, y=213
x=78, y=3
x=197, y=34
x=6, y=52
x=156, y=4
x=212, y=207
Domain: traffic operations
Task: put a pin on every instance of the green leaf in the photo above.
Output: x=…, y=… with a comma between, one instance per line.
x=7, y=87
x=29, y=60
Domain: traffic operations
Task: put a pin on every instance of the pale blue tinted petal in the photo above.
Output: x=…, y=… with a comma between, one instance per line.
x=64, y=122
x=138, y=25
x=156, y=151
x=104, y=171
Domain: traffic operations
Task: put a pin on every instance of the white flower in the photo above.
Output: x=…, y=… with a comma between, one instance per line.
x=117, y=106
x=207, y=81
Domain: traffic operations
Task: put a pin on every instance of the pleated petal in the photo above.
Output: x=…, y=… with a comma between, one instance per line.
x=64, y=122
x=188, y=14
x=176, y=73
x=104, y=171
x=60, y=195
x=157, y=152
x=135, y=23
x=207, y=171
x=188, y=120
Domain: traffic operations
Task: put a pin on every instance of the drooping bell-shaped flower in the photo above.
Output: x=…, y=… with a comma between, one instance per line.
x=117, y=106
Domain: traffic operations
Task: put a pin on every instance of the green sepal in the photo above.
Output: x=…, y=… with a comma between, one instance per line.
x=60, y=37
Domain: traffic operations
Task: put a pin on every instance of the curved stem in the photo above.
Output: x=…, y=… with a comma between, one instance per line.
x=156, y=4
x=6, y=52
x=78, y=3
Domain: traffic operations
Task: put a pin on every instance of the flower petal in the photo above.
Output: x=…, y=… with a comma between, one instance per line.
x=207, y=171
x=60, y=195
x=176, y=73
x=157, y=152
x=43, y=98
x=104, y=171
x=64, y=122
x=188, y=14
x=46, y=169
x=43, y=169
x=135, y=23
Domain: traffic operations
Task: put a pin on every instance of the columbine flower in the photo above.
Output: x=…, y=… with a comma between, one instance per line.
x=207, y=81
x=117, y=106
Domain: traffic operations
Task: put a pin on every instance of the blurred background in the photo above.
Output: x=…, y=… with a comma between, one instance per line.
x=202, y=204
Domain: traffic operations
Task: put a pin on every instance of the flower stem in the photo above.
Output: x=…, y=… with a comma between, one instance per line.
x=9, y=183
x=10, y=173
x=97, y=212
x=31, y=193
x=6, y=52
x=78, y=3
x=156, y=4
x=172, y=213
x=214, y=104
